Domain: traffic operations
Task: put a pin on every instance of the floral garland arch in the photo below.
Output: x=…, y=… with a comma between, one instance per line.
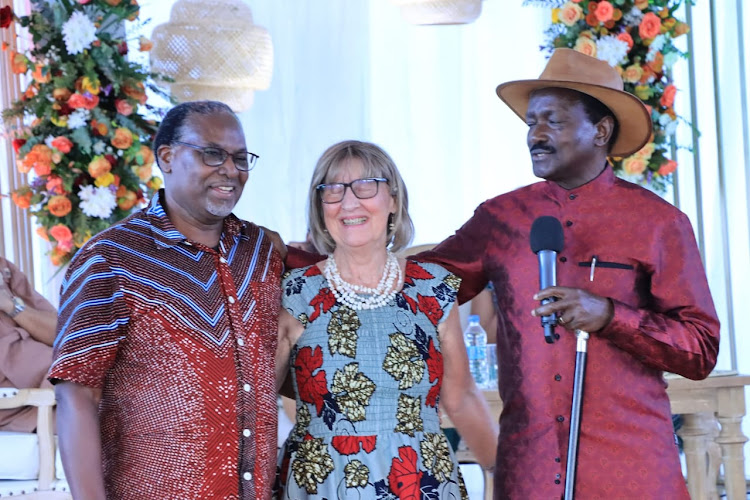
x=81, y=128
x=636, y=38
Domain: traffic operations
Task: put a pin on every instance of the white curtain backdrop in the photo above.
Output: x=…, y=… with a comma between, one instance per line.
x=348, y=69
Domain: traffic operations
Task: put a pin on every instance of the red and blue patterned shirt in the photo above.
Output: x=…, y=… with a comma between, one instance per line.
x=181, y=339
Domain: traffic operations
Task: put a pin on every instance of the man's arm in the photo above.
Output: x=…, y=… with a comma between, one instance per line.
x=463, y=253
x=80, y=440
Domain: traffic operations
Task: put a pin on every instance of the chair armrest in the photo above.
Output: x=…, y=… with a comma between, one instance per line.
x=44, y=400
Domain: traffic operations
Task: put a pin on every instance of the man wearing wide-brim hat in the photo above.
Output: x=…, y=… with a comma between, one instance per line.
x=629, y=272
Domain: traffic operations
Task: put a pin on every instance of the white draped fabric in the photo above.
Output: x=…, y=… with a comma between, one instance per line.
x=348, y=69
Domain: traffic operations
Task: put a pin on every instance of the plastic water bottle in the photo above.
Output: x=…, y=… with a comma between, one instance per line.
x=475, y=339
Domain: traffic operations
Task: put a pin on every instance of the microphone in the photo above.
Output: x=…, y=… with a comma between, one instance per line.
x=546, y=241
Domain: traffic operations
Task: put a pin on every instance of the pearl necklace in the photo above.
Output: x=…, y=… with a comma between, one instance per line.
x=352, y=295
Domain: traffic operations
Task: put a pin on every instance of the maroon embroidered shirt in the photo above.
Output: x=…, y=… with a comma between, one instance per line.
x=648, y=263
x=181, y=339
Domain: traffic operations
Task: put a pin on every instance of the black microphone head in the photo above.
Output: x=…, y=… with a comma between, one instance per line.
x=546, y=234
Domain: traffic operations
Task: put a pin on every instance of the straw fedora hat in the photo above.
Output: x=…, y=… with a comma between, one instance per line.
x=570, y=69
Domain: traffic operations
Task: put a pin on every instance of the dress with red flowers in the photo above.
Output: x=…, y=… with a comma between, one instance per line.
x=367, y=385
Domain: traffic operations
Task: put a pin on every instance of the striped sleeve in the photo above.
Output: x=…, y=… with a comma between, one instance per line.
x=92, y=320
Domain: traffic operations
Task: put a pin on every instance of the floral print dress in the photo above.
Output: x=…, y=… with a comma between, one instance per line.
x=367, y=385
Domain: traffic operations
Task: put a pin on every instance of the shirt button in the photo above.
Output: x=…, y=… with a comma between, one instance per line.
x=563, y=259
x=569, y=223
x=557, y=476
x=246, y=433
x=240, y=342
x=560, y=418
x=230, y=299
x=246, y=388
x=247, y=476
x=573, y=196
x=557, y=481
x=222, y=260
x=557, y=459
x=558, y=377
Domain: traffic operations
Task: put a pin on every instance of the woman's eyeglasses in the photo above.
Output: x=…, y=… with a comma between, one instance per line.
x=362, y=189
x=215, y=157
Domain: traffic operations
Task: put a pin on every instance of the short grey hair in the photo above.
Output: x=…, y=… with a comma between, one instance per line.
x=376, y=163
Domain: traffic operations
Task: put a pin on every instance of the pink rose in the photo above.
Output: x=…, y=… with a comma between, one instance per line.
x=123, y=107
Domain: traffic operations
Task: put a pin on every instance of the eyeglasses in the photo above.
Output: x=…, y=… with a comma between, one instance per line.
x=362, y=189
x=215, y=157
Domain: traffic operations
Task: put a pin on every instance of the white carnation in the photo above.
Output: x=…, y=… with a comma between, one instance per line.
x=99, y=147
x=611, y=50
x=78, y=33
x=48, y=141
x=78, y=118
x=633, y=17
x=97, y=201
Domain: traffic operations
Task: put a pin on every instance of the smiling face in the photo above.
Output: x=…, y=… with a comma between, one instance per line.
x=200, y=196
x=354, y=223
x=566, y=147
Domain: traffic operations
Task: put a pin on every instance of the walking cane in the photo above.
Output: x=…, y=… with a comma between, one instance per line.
x=575, y=414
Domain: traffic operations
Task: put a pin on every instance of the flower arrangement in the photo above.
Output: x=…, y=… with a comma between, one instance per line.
x=636, y=38
x=80, y=129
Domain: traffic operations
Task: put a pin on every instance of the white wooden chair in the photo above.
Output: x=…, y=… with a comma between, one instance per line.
x=30, y=466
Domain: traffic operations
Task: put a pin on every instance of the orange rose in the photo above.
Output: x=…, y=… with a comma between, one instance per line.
x=570, y=13
x=83, y=101
x=670, y=23
x=144, y=173
x=22, y=197
x=135, y=91
x=641, y=4
x=632, y=73
x=99, y=128
x=40, y=159
x=680, y=29
x=147, y=156
x=123, y=138
x=634, y=165
x=657, y=65
x=590, y=18
x=127, y=199
x=61, y=233
x=42, y=233
x=40, y=75
x=19, y=64
x=62, y=144
x=650, y=26
x=99, y=166
x=55, y=185
x=667, y=98
x=59, y=206
x=144, y=44
x=586, y=46
x=58, y=256
x=604, y=11
x=124, y=107
x=668, y=167
x=113, y=2
x=646, y=151
x=61, y=94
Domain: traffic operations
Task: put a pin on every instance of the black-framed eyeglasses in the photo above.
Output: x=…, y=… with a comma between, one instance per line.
x=215, y=157
x=362, y=189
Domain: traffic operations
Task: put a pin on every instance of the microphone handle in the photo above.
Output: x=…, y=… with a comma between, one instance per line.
x=547, y=278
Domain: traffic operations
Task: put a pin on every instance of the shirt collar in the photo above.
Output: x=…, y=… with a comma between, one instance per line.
x=598, y=184
x=166, y=235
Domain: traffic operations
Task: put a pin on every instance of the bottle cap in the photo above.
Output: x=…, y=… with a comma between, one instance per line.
x=473, y=318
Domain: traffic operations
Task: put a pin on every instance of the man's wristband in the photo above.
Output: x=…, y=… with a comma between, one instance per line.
x=18, y=307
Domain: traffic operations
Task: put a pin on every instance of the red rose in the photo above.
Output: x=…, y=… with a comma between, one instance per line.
x=6, y=16
x=18, y=144
x=667, y=99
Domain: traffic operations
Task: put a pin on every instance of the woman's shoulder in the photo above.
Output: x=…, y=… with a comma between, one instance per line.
x=425, y=270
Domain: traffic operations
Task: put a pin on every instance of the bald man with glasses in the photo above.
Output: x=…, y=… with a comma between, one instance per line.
x=164, y=358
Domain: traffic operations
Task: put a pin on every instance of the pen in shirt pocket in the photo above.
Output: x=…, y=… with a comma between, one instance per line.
x=593, y=267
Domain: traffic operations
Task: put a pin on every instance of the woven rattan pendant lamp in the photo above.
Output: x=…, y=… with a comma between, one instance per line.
x=212, y=50
x=439, y=11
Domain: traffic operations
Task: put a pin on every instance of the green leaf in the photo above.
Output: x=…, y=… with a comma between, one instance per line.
x=81, y=137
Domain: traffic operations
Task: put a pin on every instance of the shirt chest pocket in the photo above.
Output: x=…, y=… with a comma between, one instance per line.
x=612, y=276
